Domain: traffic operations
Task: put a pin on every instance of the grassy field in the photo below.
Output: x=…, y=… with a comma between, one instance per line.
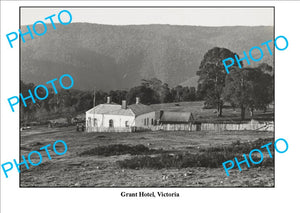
x=145, y=159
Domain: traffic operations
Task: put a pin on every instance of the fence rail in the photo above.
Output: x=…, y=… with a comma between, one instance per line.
x=266, y=126
x=176, y=127
x=109, y=129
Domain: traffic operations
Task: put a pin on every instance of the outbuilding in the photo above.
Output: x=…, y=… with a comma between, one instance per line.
x=167, y=117
x=175, y=121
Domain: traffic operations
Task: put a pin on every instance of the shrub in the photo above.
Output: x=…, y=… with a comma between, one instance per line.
x=211, y=157
x=119, y=149
x=240, y=148
x=181, y=160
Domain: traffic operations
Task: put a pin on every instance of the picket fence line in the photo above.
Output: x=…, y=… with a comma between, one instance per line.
x=266, y=126
x=176, y=127
x=109, y=129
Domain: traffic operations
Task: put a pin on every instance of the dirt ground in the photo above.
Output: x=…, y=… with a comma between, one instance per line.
x=72, y=170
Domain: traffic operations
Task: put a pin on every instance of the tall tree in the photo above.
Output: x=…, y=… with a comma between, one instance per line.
x=249, y=88
x=212, y=77
x=118, y=95
x=262, y=93
x=161, y=89
x=85, y=101
x=177, y=93
x=27, y=113
x=146, y=95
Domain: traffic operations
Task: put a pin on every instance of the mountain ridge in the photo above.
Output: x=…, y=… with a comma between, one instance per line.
x=110, y=57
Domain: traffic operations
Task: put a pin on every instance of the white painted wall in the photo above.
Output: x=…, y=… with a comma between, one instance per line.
x=119, y=120
x=139, y=121
x=102, y=120
x=89, y=119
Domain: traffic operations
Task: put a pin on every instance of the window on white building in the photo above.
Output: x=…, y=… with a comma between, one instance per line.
x=111, y=123
x=126, y=124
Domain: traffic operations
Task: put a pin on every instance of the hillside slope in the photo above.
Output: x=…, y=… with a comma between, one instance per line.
x=117, y=57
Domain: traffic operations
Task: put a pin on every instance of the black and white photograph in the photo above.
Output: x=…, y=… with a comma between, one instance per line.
x=147, y=97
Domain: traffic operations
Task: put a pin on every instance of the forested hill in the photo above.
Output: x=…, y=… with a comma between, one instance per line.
x=110, y=57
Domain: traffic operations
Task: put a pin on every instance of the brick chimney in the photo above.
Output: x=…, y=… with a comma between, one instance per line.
x=124, y=104
x=137, y=100
x=108, y=99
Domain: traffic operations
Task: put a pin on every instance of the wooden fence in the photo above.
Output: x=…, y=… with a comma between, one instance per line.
x=176, y=127
x=109, y=129
x=266, y=126
x=163, y=127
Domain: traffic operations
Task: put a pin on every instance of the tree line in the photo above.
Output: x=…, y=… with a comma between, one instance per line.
x=72, y=102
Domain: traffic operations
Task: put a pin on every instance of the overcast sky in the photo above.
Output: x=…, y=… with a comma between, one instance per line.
x=174, y=16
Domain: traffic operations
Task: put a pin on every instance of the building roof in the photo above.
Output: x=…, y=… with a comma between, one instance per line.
x=104, y=108
x=139, y=109
x=115, y=109
x=176, y=117
x=126, y=112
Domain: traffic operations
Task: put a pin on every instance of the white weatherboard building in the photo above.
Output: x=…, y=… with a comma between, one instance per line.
x=112, y=117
